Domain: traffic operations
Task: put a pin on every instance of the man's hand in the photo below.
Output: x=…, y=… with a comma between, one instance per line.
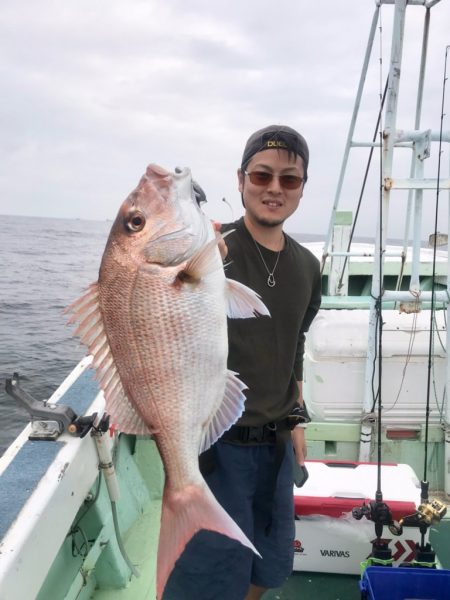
x=299, y=443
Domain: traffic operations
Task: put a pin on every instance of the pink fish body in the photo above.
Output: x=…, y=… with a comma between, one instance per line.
x=155, y=323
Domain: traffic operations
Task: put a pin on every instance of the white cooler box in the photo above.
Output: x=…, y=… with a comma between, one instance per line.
x=327, y=537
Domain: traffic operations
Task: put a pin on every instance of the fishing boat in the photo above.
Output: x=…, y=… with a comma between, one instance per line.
x=80, y=505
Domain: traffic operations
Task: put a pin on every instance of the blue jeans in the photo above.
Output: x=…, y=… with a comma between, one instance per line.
x=215, y=567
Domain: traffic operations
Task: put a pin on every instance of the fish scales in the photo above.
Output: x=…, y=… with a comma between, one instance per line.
x=178, y=385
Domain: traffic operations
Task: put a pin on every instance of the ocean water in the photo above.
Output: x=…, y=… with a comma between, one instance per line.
x=45, y=264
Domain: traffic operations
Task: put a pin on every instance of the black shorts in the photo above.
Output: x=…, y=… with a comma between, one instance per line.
x=214, y=567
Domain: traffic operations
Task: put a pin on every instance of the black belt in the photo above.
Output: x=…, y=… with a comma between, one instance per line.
x=248, y=436
x=269, y=433
x=265, y=434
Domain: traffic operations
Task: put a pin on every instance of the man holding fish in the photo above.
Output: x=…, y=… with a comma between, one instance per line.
x=250, y=468
x=169, y=365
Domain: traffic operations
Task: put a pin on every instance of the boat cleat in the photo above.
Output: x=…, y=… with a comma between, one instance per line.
x=45, y=430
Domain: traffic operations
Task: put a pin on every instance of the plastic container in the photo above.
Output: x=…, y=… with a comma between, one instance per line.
x=335, y=366
x=399, y=583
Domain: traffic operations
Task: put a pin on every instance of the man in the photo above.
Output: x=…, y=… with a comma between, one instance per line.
x=250, y=469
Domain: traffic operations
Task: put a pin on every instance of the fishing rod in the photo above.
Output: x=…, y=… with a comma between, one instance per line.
x=425, y=483
x=430, y=512
x=377, y=510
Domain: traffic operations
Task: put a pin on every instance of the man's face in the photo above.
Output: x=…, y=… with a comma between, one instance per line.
x=271, y=204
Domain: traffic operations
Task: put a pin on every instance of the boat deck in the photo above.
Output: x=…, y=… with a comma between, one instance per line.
x=141, y=543
x=321, y=586
x=140, y=547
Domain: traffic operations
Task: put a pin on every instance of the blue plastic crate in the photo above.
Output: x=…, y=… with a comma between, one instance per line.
x=405, y=583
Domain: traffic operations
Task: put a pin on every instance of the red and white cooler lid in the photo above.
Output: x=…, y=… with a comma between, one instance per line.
x=335, y=488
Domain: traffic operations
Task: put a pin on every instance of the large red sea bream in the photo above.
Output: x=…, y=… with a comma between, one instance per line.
x=155, y=323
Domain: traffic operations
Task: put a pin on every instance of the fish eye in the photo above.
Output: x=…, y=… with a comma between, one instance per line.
x=135, y=221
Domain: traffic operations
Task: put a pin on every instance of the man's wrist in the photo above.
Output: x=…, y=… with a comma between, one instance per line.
x=299, y=416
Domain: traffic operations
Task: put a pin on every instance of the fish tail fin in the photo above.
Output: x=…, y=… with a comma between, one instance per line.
x=183, y=514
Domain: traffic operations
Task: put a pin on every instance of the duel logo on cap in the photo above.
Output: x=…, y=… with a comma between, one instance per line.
x=276, y=137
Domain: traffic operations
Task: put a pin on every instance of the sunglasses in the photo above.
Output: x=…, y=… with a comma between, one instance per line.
x=288, y=182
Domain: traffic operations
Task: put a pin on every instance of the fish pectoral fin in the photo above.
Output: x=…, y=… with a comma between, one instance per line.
x=229, y=411
x=243, y=302
x=205, y=261
x=185, y=512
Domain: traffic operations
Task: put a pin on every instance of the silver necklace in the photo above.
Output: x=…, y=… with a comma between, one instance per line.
x=270, y=279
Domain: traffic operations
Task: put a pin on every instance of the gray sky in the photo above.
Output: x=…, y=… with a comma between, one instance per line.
x=94, y=90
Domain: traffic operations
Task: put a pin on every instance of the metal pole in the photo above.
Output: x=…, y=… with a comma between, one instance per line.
x=423, y=60
x=372, y=364
x=351, y=130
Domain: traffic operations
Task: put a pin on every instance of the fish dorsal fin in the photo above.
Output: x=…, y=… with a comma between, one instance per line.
x=91, y=331
x=204, y=261
x=229, y=411
x=244, y=302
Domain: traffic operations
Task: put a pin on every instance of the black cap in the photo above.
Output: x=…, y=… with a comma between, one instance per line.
x=276, y=137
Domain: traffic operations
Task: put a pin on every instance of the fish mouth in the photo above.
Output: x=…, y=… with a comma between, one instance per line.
x=189, y=231
x=183, y=229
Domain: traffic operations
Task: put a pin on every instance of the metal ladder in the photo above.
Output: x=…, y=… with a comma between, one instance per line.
x=419, y=141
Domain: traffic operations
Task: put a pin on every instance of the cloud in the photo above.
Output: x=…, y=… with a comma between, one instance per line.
x=92, y=92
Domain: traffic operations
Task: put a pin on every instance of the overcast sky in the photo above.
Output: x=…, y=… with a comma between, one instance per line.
x=94, y=90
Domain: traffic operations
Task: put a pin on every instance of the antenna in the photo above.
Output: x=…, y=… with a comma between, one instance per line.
x=230, y=207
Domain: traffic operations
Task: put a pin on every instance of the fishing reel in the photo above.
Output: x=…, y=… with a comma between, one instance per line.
x=380, y=513
x=428, y=513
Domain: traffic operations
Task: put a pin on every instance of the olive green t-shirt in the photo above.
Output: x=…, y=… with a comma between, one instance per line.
x=267, y=352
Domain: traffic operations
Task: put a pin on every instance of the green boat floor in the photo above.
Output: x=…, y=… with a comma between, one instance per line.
x=321, y=586
x=141, y=544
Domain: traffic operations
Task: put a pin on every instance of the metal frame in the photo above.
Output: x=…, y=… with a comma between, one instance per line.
x=419, y=141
